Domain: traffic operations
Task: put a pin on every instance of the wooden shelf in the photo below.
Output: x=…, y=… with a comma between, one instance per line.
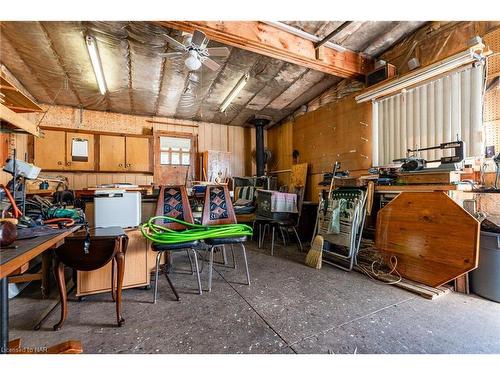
x=15, y=100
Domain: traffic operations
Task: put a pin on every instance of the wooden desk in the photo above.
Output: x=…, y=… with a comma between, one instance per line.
x=13, y=258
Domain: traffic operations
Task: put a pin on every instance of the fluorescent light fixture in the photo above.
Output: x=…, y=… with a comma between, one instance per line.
x=96, y=63
x=234, y=92
x=417, y=76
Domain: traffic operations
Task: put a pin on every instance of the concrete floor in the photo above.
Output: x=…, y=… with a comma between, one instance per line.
x=289, y=308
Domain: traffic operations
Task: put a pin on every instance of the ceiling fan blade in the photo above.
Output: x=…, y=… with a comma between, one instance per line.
x=218, y=51
x=174, y=43
x=210, y=64
x=199, y=39
x=171, y=54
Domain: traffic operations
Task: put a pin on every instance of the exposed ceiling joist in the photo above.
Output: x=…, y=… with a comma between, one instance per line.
x=270, y=41
x=332, y=34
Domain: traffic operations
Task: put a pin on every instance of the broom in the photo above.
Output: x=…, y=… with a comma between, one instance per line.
x=315, y=255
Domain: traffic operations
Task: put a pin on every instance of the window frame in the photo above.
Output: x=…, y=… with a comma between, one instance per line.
x=171, y=151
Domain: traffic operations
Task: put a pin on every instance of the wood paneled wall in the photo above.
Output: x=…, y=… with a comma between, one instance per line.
x=280, y=142
x=337, y=131
x=237, y=140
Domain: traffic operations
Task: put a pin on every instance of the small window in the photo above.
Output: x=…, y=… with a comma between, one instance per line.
x=175, y=151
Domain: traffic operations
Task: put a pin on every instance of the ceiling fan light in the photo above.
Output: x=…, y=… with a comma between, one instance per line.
x=193, y=62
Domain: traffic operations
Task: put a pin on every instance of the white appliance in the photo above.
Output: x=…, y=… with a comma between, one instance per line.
x=117, y=208
x=23, y=169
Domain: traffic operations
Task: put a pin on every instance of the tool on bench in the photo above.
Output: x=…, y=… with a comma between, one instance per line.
x=413, y=163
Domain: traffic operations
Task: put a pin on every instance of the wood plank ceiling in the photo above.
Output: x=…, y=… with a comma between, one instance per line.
x=50, y=59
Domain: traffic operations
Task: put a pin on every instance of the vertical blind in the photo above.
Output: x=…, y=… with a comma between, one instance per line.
x=428, y=115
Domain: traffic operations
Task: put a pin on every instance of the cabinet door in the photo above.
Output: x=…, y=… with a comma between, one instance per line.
x=137, y=151
x=136, y=268
x=50, y=151
x=112, y=153
x=80, y=152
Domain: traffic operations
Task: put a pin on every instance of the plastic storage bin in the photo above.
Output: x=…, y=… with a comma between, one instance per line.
x=485, y=280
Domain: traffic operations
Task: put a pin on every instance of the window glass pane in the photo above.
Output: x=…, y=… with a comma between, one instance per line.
x=185, y=159
x=175, y=158
x=175, y=143
x=164, y=158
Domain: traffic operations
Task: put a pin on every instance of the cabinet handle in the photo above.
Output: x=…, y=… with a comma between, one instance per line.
x=120, y=165
x=59, y=163
x=68, y=163
x=129, y=165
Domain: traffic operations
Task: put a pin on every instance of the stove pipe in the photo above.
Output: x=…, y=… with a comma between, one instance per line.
x=259, y=124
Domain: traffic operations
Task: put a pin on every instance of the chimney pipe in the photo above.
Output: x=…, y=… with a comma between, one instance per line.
x=260, y=123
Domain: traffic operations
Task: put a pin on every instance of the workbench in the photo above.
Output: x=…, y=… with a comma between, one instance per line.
x=13, y=258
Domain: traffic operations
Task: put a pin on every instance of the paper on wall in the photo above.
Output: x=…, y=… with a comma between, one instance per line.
x=79, y=149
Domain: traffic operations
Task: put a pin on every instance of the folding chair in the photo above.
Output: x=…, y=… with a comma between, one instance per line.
x=351, y=205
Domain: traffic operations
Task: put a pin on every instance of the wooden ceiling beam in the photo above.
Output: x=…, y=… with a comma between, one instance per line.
x=17, y=121
x=270, y=41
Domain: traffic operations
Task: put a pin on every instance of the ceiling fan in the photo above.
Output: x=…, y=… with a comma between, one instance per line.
x=195, y=47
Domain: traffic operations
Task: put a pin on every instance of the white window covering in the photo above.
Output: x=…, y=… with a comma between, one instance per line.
x=429, y=115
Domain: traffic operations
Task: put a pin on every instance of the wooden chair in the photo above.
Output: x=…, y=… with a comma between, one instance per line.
x=173, y=202
x=218, y=209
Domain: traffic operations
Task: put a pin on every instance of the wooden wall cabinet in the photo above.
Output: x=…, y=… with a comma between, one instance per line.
x=124, y=154
x=111, y=153
x=136, y=269
x=76, y=165
x=50, y=151
x=107, y=152
x=137, y=154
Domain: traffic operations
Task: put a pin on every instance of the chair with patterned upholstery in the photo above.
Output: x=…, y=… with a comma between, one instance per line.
x=173, y=202
x=218, y=209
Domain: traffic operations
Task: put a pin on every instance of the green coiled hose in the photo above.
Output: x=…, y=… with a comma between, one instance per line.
x=162, y=235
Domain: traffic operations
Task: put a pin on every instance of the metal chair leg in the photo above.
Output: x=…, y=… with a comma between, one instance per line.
x=260, y=235
x=266, y=227
x=272, y=240
x=282, y=235
x=224, y=255
x=232, y=253
x=246, y=263
x=197, y=270
x=298, y=239
x=210, y=268
x=190, y=261
x=158, y=256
